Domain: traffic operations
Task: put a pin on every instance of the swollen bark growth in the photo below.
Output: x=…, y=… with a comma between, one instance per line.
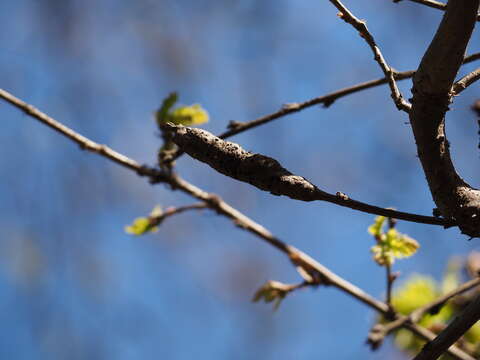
x=267, y=174
x=432, y=84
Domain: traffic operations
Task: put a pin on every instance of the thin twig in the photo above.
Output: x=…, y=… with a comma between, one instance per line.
x=433, y=4
x=361, y=27
x=155, y=220
x=416, y=315
x=297, y=257
x=317, y=271
x=325, y=100
x=390, y=280
x=390, y=276
x=237, y=127
x=466, y=81
x=82, y=141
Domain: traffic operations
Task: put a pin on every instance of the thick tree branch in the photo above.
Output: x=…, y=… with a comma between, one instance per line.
x=267, y=174
x=432, y=85
x=161, y=176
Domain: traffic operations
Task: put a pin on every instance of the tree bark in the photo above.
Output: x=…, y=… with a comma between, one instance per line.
x=432, y=84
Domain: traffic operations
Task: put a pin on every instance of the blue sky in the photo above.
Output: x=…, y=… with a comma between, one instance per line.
x=76, y=286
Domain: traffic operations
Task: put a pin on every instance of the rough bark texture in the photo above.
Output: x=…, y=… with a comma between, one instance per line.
x=230, y=159
x=267, y=174
x=432, y=84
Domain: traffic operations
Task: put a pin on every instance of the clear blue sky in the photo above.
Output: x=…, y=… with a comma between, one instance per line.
x=75, y=286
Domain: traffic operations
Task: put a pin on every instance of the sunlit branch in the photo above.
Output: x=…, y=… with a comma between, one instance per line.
x=361, y=27
x=466, y=81
x=299, y=259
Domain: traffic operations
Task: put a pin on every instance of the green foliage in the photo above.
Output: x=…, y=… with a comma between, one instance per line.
x=451, y=279
x=167, y=104
x=273, y=291
x=391, y=244
x=188, y=115
x=420, y=290
x=182, y=115
x=376, y=229
x=143, y=225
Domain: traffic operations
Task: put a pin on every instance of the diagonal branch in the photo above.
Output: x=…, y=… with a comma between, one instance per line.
x=236, y=127
x=380, y=331
x=466, y=81
x=325, y=100
x=452, y=332
x=319, y=273
x=82, y=141
x=361, y=27
x=432, y=85
x=267, y=174
x=297, y=257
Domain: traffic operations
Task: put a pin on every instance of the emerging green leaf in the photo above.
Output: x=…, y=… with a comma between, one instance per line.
x=376, y=228
x=390, y=245
x=140, y=226
x=144, y=225
x=451, y=279
x=167, y=104
x=417, y=291
x=188, y=115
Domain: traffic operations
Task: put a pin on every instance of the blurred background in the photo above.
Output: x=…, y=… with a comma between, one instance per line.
x=74, y=285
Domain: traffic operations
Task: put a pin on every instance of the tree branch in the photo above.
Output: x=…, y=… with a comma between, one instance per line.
x=432, y=84
x=236, y=127
x=156, y=220
x=469, y=316
x=466, y=81
x=433, y=4
x=361, y=27
x=82, y=141
x=380, y=331
x=267, y=174
x=318, y=273
x=297, y=257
